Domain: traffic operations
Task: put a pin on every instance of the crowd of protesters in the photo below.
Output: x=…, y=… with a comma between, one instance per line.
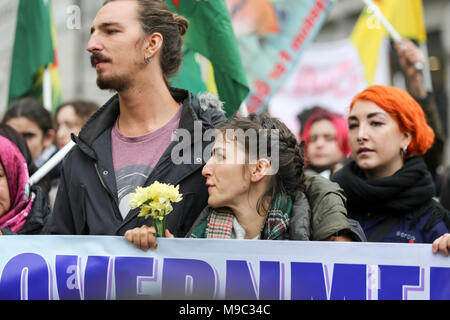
x=371, y=177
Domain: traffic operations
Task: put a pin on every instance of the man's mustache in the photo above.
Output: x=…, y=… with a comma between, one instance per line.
x=97, y=58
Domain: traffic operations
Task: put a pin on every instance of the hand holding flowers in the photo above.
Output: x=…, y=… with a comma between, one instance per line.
x=144, y=238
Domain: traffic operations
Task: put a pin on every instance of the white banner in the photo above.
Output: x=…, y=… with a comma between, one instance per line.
x=329, y=75
x=108, y=268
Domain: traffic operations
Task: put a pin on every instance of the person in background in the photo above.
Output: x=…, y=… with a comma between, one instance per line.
x=304, y=115
x=23, y=209
x=409, y=54
x=388, y=186
x=29, y=117
x=252, y=198
x=326, y=142
x=70, y=118
x=16, y=138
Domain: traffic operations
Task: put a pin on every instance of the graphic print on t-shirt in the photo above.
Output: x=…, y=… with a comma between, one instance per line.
x=135, y=157
x=128, y=179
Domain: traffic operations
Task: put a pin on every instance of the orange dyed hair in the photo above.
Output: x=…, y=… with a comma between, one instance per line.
x=405, y=111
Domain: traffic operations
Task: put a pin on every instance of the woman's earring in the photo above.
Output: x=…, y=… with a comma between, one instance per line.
x=147, y=59
x=404, y=151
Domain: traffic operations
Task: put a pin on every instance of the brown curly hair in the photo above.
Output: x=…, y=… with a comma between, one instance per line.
x=275, y=135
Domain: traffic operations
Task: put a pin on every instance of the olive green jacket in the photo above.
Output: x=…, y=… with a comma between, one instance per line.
x=327, y=203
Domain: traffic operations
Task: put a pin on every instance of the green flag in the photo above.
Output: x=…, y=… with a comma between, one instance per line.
x=33, y=49
x=210, y=35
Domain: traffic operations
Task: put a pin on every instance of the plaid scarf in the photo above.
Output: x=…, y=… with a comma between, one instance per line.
x=276, y=226
x=219, y=223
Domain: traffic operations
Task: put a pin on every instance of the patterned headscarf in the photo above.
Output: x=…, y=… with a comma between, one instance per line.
x=21, y=199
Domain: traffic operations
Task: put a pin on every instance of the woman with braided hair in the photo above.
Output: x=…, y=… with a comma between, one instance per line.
x=257, y=190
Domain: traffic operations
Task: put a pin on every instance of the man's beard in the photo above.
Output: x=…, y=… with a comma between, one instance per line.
x=118, y=83
x=115, y=84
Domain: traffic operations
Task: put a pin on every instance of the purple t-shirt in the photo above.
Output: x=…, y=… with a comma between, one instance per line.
x=135, y=157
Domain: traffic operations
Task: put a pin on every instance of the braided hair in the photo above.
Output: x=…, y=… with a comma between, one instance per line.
x=282, y=146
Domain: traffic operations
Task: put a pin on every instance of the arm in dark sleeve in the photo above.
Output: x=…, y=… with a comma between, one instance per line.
x=409, y=53
x=435, y=155
x=61, y=220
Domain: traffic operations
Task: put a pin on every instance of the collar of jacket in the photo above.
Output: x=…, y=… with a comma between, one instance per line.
x=106, y=116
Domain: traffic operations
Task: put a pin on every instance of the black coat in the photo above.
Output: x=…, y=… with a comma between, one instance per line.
x=405, y=198
x=87, y=201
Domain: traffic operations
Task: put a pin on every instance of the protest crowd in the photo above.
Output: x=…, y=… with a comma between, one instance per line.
x=371, y=176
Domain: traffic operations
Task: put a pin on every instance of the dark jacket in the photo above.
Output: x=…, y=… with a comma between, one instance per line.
x=87, y=201
x=445, y=192
x=434, y=157
x=403, y=202
x=37, y=216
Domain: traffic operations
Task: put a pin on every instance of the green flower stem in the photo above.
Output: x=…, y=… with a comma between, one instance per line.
x=160, y=227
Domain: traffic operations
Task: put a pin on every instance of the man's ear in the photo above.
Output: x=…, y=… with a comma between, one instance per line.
x=153, y=44
x=259, y=170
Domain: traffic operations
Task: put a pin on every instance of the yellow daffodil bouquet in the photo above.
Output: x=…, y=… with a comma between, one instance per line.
x=155, y=201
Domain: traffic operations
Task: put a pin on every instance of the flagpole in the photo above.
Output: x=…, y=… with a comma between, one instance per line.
x=389, y=28
x=51, y=163
x=47, y=89
x=424, y=67
x=426, y=70
x=243, y=109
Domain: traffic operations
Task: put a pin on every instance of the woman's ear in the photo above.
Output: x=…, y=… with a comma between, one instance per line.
x=407, y=137
x=259, y=170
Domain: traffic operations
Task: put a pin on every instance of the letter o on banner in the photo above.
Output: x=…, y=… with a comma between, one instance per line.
x=25, y=277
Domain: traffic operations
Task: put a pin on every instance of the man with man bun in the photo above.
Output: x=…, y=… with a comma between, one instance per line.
x=135, y=47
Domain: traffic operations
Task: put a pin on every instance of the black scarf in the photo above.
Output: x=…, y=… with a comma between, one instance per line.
x=405, y=191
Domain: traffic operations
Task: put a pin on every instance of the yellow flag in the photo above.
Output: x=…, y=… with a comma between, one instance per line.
x=406, y=16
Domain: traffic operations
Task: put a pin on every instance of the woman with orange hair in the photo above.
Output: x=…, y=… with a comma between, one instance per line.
x=389, y=189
